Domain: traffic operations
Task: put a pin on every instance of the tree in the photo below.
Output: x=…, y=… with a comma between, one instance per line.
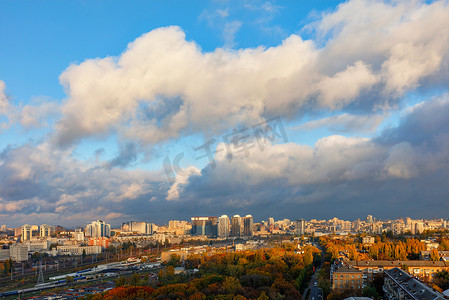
x=308, y=258
x=175, y=260
x=370, y=292
x=441, y=279
x=231, y=285
x=84, y=253
x=135, y=279
x=434, y=255
x=444, y=245
x=8, y=266
x=69, y=280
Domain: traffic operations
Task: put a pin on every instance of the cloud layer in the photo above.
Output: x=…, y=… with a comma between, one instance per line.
x=364, y=59
x=392, y=170
x=373, y=53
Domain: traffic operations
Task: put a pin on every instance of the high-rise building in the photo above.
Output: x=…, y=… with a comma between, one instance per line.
x=369, y=219
x=138, y=227
x=419, y=227
x=19, y=252
x=408, y=222
x=300, y=227
x=356, y=225
x=204, y=226
x=223, y=226
x=98, y=228
x=248, y=226
x=26, y=232
x=270, y=222
x=236, y=226
x=44, y=230
x=3, y=228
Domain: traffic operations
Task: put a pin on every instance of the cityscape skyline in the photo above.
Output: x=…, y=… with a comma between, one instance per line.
x=268, y=220
x=159, y=111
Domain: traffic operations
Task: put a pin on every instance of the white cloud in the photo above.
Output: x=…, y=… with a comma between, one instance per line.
x=372, y=47
x=4, y=103
x=180, y=181
x=345, y=123
x=37, y=114
x=343, y=87
x=229, y=32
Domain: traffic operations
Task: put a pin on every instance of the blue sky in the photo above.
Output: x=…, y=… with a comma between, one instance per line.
x=104, y=91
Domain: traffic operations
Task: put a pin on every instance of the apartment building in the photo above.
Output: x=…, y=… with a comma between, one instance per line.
x=398, y=285
x=347, y=277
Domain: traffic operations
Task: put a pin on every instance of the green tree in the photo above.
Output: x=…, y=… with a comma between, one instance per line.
x=175, y=260
x=370, y=292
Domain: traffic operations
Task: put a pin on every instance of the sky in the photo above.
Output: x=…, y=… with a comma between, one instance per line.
x=160, y=110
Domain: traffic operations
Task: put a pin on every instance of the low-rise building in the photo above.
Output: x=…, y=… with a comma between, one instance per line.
x=425, y=255
x=78, y=250
x=182, y=253
x=102, y=241
x=419, y=268
x=368, y=240
x=347, y=277
x=4, y=254
x=398, y=285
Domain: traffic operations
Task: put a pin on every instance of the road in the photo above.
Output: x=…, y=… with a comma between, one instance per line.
x=315, y=292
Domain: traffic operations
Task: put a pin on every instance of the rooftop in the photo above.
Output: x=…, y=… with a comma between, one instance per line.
x=412, y=286
x=347, y=269
x=397, y=263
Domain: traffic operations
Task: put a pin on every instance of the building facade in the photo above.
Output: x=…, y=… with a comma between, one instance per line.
x=347, y=277
x=138, y=227
x=418, y=268
x=236, y=226
x=223, y=227
x=248, y=226
x=44, y=230
x=204, y=226
x=300, y=227
x=78, y=250
x=27, y=232
x=19, y=252
x=98, y=228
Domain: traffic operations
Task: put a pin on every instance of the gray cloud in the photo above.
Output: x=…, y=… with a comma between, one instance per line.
x=163, y=86
x=341, y=176
x=39, y=181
